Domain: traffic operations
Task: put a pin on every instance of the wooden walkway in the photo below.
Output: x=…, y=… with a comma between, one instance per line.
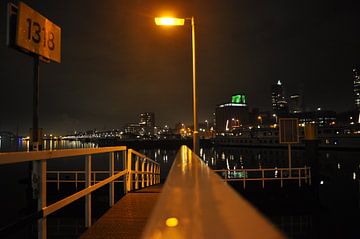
x=128, y=217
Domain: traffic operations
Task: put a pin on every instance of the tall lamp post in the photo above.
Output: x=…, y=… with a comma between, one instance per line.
x=169, y=21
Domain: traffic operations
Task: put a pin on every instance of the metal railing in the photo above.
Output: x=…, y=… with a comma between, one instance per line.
x=132, y=175
x=301, y=175
x=195, y=203
x=76, y=177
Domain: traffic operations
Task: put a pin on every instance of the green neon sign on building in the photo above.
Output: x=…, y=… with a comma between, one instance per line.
x=238, y=99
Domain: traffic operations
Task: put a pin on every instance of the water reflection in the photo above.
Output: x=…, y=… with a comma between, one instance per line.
x=24, y=145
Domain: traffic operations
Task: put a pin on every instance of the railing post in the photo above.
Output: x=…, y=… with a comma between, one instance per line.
x=124, y=158
x=244, y=179
x=129, y=178
x=281, y=177
x=143, y=173
x=76, y=180
x=88, y=196
x=151, y=173
x=137, y=172
x=158, y=174
x=263, y=182
x=111, y=185
x=39, y=179
x=58, y=181
x=154, y=174
x=299, y=177
x=147, y=174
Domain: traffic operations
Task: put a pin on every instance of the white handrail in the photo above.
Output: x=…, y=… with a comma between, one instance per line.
x=305, y=171
x=18, y=157
x=39, y=176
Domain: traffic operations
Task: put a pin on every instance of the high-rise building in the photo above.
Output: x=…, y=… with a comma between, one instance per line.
x=230, y=116
x=278, y=101
x=147, y=122
x=295, y=103
x=356, y=89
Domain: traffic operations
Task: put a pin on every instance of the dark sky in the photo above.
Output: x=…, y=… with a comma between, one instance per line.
x=116, y=63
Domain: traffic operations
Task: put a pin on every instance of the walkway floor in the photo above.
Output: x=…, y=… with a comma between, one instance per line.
x=128, y=217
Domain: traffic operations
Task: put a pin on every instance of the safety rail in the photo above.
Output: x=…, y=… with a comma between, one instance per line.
x=39, y=176
x=195, y=203
x=76, y=177
x=267, y=174
x=148, y=175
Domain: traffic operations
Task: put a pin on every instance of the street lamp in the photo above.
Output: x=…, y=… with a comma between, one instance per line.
x=170, y=21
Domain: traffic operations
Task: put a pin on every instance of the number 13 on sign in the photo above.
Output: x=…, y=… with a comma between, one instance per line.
x=37, y=34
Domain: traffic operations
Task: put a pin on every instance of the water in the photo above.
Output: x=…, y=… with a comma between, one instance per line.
x=334, y=214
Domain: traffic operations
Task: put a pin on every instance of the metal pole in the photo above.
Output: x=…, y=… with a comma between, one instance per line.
x=111, y=173
x=289, y=151
x=35, y=123
x=88, y=196
x=39, y=177
x=195, y=133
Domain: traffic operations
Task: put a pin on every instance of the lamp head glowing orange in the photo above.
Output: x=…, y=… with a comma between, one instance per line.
x=169, y=21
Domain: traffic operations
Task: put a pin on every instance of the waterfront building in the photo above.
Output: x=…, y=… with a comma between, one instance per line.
x=356, y=89
x=278, y=101
x=147, y=123
x=319, y=117
x=232, y=115
x=295, y=103
x=132, y=128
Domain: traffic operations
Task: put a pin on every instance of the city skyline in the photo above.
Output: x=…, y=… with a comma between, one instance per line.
x=105, y=80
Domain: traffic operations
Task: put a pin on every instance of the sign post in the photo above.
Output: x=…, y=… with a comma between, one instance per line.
x=289, y=134
x=33, y=34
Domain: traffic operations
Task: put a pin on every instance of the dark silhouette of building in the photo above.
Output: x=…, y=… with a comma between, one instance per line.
x=356, y=89
x=295, y=103
x=233, y=115
x=278, y=101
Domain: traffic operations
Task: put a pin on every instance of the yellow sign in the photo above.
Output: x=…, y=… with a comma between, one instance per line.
x=37, y=34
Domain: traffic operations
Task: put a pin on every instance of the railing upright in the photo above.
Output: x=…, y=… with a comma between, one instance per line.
x=88, y=196
x=129, y=169
x=111, y=184
x=137, y=158
x=152, y=174
x=147, y=174
x=244, y=179
x=143, y=173
x=39, y=181
x=125, y=163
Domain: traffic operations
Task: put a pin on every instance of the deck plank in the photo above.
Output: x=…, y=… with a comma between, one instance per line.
x=128, y=217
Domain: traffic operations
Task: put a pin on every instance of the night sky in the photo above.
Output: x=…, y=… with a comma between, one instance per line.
x=116, y=63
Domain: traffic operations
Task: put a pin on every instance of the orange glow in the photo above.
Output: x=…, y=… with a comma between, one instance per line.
x=169, y=21
x=172, y=222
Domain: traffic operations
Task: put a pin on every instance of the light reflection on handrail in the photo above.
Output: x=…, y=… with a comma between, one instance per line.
x=195, y=203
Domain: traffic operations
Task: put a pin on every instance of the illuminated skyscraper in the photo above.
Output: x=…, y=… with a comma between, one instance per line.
x=279, y=104
x=147, y=122
x=356, y=89
x=295, y=103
